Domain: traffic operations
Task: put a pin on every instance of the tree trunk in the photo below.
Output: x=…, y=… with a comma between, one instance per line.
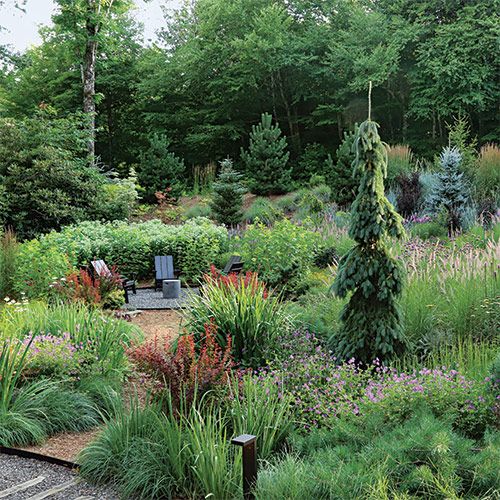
x=89, y=74
x=109, y=112
x=284, y=100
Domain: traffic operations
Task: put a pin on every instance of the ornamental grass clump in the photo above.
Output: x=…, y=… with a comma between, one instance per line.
x=243, y=310
x=29, y=412
x=372, y=321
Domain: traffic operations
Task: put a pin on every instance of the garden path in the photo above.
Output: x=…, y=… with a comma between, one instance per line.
x=67, y=446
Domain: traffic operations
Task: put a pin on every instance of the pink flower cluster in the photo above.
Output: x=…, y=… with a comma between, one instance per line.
x=324, y=388
x=52, y=354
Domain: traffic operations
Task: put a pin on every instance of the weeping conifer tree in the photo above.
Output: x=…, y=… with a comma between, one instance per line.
x=371, y=320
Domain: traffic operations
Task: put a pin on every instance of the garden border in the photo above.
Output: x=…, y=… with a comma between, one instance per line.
x=37, y=456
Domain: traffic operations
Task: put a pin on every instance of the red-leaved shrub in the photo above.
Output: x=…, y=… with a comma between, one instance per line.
x=183, y=369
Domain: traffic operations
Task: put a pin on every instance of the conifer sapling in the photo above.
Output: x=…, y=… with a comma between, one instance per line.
x=371, y=320
x=343, y=183
x=266, y=158
x=227, y=198
x=450, y=193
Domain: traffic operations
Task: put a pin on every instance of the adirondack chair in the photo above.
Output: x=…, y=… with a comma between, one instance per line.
x=234, y=265
x=164, y=269
x=100, y=268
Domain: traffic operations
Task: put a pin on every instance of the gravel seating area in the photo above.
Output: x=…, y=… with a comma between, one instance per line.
x=148, y=298
x=27, y=479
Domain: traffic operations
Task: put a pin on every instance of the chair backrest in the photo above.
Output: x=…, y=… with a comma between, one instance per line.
x=164, y=267
x=100, y=268
x=234, y=265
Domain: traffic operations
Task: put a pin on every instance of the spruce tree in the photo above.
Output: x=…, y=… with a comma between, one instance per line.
x=371, y=320
x=266, y=158
x=227, y=198
x=450, y=193
x=343, y=181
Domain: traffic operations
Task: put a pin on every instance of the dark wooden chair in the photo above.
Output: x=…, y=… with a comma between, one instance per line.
x=234, y=265
x=164, y=269
x=100, y=268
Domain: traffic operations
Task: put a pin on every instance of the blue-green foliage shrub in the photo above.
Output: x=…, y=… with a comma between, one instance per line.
x=282, y=255
x=132, y=247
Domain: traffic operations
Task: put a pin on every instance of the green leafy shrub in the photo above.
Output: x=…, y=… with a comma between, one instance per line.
x=312, y=202
x=118, y=198
x=44, y=171
x=132, y=247
x=160, y=169
x=243, y=310
x=227, y=197
x=281, y=255
x=37, y=266
x=266, y=158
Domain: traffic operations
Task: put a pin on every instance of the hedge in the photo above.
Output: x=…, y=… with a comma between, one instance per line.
x=132, y=247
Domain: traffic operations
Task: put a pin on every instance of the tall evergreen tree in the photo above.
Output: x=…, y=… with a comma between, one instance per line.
x=371, y=320
x=266, y=158
x=450, y=193
x=227, y=198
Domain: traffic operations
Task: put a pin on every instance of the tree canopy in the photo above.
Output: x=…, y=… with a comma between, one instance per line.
x=219, y=64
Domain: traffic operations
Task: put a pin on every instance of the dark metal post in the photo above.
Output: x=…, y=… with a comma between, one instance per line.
x=248, y=443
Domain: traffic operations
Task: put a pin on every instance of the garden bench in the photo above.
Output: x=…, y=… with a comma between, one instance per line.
x=164, y=269
x=234, y=265
x=100, y=268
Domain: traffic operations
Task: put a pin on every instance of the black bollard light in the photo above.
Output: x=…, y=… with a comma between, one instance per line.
x=248, y=443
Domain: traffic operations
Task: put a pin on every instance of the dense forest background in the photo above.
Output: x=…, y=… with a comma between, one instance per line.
x=218, y=64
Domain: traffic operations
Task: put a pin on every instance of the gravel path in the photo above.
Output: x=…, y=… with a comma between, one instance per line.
x=35, y=480
x=148, y=298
